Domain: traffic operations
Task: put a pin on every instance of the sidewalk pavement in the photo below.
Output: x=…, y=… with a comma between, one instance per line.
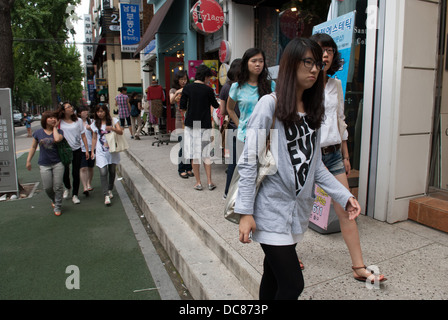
x=90, y=252
x=214, y=265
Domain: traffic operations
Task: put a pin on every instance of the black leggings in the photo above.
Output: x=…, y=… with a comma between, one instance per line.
x=76, y=167
x=282, y=277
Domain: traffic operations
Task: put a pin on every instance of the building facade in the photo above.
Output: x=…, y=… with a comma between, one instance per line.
x=396, y=104
x=113, y=67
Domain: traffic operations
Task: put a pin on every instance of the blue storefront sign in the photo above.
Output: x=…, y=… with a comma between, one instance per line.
x=129, y=27
x=342, y=31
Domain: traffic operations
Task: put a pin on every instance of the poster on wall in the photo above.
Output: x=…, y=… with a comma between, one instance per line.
x=212, y=64
x=192, y=65
x=341, y=30
x=214, y=81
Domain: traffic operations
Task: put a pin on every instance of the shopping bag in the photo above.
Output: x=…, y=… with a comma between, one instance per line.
x=116, y=142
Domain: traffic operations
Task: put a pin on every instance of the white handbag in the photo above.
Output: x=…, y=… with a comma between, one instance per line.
x=116, y=142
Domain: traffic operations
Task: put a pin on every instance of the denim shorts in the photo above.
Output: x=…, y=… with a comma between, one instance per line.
x=334, y=162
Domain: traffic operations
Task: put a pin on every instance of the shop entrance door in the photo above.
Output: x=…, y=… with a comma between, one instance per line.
x=172, y=65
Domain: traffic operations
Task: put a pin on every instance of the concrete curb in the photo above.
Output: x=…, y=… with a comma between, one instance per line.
x=209, y=266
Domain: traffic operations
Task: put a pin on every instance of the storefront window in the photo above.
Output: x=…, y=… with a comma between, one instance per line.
x=297, y=19
x=438, y=175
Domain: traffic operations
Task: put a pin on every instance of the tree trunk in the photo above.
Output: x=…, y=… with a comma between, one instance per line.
x=54, y=92
x=6, y=56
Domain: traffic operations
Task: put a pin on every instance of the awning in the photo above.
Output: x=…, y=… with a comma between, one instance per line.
x=154, y=26
x=263, y=3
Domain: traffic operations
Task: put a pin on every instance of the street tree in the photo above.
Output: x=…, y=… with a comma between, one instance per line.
x=6, y=61
x=41, y=30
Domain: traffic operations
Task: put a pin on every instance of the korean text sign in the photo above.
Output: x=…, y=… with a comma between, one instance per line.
x=8, y=172
x=129, y=27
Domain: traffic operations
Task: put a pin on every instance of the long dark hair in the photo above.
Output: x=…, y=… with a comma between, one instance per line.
x=264, y=81
x=81, y=109
x=326, y=41
x=234, y=70
x=61, y=112
x=108, y=118
x=286, y=87
x=179, y=75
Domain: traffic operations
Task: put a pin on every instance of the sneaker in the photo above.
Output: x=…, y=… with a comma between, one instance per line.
x=137, y=138
x=110, y=194
x=211, y=187
x=66, y=194
x=76, y=200
x=224, y=197
x=107, y=201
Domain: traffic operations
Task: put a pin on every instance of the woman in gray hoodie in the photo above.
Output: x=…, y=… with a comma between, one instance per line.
x=278, y=215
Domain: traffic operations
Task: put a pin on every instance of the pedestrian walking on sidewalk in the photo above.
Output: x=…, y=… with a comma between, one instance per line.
x=51, y=167
x=27, y=119
x=136, y=110
x=74, y=133
x=278, y=215
x=335, y=155
x=105, y=161
x=179, y=82
x=253, y=83
x=197, y=98
x=124, y=109
x=87, y=165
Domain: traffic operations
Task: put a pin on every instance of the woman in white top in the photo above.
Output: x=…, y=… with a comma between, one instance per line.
x=86, y=164
x=335, y=153
x=74, y=133
x=105, y=160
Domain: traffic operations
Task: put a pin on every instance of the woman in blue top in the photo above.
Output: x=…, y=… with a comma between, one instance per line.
x=51, y=167
x=253, y=83
x=27, y=119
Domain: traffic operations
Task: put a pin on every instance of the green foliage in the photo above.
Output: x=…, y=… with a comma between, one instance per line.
x=41, y=51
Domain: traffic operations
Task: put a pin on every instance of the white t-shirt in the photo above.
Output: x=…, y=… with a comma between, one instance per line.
x=329, y=130
x=103, y=156
x=73, y=132
x=88, y=137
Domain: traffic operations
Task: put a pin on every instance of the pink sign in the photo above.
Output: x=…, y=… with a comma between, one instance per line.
x=192, y=65
x=321, y=208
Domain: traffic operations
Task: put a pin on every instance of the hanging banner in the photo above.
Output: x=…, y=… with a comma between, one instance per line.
x=88, y=48
x=129, y=27
x=342, y=30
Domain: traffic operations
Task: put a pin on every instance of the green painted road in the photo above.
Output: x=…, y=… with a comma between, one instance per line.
x=89, y=252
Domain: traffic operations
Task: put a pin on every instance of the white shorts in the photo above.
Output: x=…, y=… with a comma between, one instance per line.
x=196, y=143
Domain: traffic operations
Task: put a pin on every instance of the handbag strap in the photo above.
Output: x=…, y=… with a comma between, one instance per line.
x=340, y=97
x=268, y=139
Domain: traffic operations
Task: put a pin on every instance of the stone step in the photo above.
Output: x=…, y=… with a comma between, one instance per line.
x=430, y=211
x=210, y=268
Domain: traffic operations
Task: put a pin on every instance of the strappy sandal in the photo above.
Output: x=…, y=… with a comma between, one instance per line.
x=364, y=279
